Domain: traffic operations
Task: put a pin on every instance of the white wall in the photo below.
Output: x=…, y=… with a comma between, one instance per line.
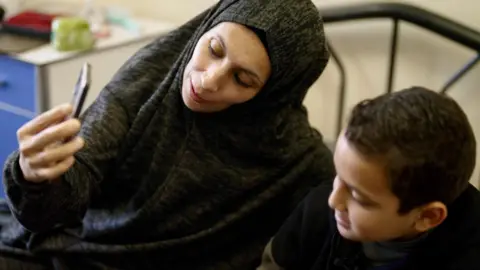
x=424, y=59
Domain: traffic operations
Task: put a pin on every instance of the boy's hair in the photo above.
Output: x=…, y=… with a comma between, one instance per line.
x=425, y=139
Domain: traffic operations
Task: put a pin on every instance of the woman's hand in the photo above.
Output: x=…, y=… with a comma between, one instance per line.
x=47, y=144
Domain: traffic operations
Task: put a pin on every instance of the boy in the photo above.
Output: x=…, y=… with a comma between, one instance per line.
x=401, y=198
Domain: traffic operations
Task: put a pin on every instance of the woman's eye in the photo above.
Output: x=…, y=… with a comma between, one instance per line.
x=215, y=48
x=243, y=80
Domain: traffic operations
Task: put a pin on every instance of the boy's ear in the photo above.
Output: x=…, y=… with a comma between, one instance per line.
x=430, y=216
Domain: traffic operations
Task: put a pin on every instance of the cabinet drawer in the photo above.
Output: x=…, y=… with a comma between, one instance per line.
x=8, y=139
x=17, y=83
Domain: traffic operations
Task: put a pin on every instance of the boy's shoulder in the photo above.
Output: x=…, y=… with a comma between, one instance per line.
x=455, y=244
x=306, y=232
x=315, y=217
x=306, y=238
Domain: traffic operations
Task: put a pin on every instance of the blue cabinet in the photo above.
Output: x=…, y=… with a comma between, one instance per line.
x=10, y=122
x=17, y=103
x=17, y=83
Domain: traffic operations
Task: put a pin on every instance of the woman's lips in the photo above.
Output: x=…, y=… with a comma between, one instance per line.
x=194, y=94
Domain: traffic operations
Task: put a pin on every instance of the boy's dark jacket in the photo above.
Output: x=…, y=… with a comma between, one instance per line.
x=309, y=239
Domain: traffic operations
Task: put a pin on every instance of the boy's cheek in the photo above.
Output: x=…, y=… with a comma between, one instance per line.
x=368, y=228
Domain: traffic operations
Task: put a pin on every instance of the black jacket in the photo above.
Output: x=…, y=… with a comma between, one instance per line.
x=309, y=239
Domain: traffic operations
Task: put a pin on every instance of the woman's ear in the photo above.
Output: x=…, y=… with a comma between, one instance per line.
x=430, y=216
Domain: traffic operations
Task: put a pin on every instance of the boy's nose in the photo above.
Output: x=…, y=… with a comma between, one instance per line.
x=336, y=200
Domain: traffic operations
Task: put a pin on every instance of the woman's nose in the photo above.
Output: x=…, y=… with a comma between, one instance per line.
x=212, y=79
x=337, y=200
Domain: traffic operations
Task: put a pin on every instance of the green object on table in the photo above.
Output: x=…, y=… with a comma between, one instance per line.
x=71, y=34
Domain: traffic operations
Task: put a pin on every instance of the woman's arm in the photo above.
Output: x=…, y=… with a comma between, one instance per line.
x=42, y=206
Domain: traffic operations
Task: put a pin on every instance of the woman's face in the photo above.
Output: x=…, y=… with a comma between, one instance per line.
x=229, y=66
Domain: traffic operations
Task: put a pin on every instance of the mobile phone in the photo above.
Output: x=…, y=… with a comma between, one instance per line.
x=81, y=90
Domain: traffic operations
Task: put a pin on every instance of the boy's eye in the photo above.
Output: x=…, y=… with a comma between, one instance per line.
x=215, y=48
x=363, y=202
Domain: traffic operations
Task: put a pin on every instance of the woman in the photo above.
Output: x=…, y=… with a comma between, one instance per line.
x=194, y=153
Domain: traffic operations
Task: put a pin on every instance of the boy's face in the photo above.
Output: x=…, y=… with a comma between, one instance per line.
x=365, y=207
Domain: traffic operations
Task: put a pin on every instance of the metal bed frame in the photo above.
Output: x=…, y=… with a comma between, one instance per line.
x=398, y=12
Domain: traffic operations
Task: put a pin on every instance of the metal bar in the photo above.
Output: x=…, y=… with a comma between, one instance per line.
x=457, y=76
x=342, y=88
x=420, y=17
x=393, y=55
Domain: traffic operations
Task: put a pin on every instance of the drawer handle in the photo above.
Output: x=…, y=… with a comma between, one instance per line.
x=3, y=81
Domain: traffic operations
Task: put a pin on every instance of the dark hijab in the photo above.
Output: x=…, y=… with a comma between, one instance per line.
x=184, y=190
x=256, y=139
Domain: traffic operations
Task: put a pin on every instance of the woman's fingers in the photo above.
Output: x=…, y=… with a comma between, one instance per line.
x=53, y=134
x=59, y=152
x=54, y=171
x=44, y=120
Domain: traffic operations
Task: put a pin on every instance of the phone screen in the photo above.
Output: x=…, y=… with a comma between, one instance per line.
x=80, y=91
